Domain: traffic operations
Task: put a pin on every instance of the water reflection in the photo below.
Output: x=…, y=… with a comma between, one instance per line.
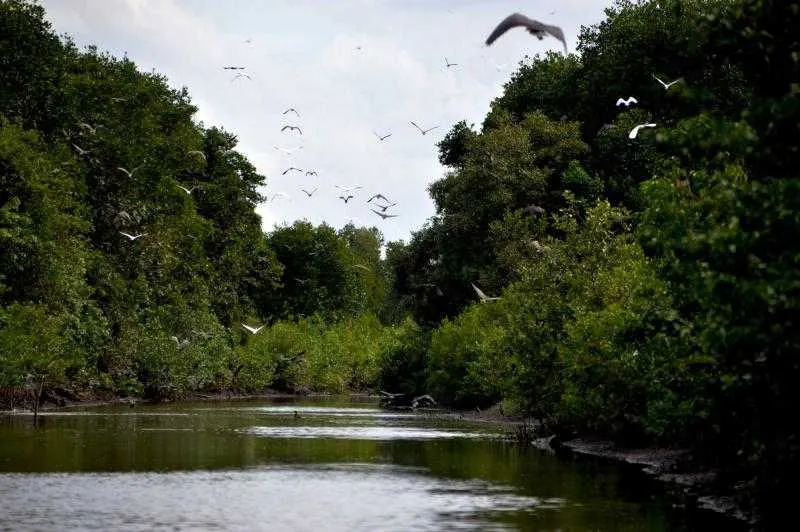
x=257, y=466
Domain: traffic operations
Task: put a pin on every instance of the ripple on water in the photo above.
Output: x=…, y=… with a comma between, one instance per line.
x=331, y=497
x=363, y=433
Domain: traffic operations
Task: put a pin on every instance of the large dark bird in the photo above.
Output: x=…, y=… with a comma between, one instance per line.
x=533, y=26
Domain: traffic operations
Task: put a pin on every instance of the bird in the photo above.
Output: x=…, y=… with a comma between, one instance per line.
x=180, y=343
x=384, y=215
x=119, y=99
x=379, y=196
x=290, y=169
x=381, y=138
x=187, y=190
x=347, y=198
x=288, y=151
x=81, y=151
x=126, y=172
x=483, y=297
x=311, y=172
x=666, y=85
x=133, y=237
x=293, y=110
x=232, y=68
x=635, y=131
x=350, y=188
x=309, y=194
x=197, y=152
x=87, y=127
x=281, y=194
x=384, y=207
x=361, y=267
x=241, y=75
x=293, y=128
x=302, y=281
x=423, y=131
x=534, y=27
x=253, y=330
x=533, y=209
x=449, y=64
x=627, y=102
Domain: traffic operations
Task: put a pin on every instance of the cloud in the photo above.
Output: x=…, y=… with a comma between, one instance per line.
x=350, y=68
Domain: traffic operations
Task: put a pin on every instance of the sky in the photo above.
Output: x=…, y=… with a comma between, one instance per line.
x=351, y=68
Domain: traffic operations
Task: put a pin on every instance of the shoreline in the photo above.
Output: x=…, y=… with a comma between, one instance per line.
x=668, y=471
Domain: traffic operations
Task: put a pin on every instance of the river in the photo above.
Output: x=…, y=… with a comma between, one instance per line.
x=316, y=464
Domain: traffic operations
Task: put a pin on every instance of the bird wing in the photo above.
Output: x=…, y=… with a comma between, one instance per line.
x=479, y=292
x=416, y=126
x=659, y=80
x=558, y=33
x=620, y=101
x=128, y=235
x=512, y=21
x=631, y=99
x=430, y=129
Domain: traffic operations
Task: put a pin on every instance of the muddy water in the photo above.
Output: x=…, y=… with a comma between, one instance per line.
x=311, y=465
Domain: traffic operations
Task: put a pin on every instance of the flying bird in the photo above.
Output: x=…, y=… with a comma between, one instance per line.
x=292, y=110
x=311, y=172
x=423, y=131
x=187, y=190
x=346, y=198
x=281, y=194
x=309, y=194
x=132, y=237
x=241, y=75
x=81, y=151
x=288, y=151
x=290, y=169
x=381, y=138
x=534, y=27
x=119, y=99
x=232, y=68
x=126, y=172
x=384, y=207
x=350, y=188
x=180, y=343
x=483, y=297
x=384, y=215
x=635, y=131
x=293, y=128
x=666, y=85
x=253, y=330
x=627, y=102
x=379, y=196
x=449, y=64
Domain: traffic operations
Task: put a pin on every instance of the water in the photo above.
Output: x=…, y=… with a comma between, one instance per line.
x=245, y=465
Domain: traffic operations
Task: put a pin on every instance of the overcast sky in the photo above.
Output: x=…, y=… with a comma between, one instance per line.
x=351, y=68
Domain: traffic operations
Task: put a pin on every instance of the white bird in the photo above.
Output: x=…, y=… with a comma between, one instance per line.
x=666, y=85
x=187, y=190
x=293, y=110
x=293, y=128
x=309, y=194
x=635, y=131
x=180, y=343
x=534, y=27
x=483, y=297
x=384, y=215
x=348, y=189
x=281, y=194
x=81, y=151
x=132, y=237
x=423, y=131
x=296, y=169
x=288, y=151
x=253, y=330
x=129, y=174
x=119, y=99
x=197, y=152
x=627, y=102
x=381, y=138
x=89, y=128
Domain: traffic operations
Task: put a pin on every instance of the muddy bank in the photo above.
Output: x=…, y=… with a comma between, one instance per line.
x=689, y=485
